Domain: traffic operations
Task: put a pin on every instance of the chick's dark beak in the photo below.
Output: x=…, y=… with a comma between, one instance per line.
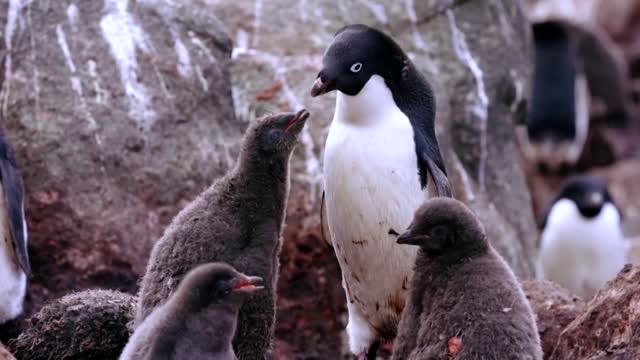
x=409, y=238
x=299, y=118
x=248, y=284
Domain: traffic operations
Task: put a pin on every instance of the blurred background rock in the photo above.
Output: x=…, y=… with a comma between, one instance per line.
x=121, y=112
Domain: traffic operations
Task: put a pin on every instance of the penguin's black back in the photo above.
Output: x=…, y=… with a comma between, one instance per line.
x=413, y=95
x=552, y=111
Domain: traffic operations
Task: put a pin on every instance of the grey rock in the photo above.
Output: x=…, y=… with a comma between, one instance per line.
x=609, y=325
x=554, y=308
x=120, y=112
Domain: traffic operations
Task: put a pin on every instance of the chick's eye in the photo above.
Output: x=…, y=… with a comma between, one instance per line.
x=223, y=287
x=356, y=67
x=274, y=136
x=439, y=232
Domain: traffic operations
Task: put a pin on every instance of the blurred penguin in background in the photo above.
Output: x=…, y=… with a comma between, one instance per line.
x=14, y=259
x=582, y=244
x=578, y=78
x=558, y=118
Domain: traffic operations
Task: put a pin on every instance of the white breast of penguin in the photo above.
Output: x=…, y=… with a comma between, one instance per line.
x=581, y=254
x=372, y=185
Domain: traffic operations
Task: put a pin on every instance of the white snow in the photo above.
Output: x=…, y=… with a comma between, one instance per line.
x=481, y=107
x=15, y=6
x=62, y=41
x=242, y=43
x=411, y=13
x=93, y=72
x=203, y=81
x=184, y=60
x=302, y=8
x=72, y=16
x=197, y=42
x=76, y=85
x=125, y=37
x=376, y=9
x=257, y=23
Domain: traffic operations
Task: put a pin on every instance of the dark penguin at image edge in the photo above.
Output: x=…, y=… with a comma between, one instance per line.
x=238, y=220
x=14, y=258
x=199, y=319
x=381, y=161
x=465, y=302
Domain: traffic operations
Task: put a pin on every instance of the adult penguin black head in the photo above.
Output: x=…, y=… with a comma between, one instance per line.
x=358, y=53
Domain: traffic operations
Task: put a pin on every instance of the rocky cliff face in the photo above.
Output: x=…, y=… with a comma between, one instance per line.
x=119, y=113
x=609, y=326
x=122, y=111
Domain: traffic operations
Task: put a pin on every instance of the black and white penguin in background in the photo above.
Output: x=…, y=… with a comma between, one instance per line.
x=14, y=260
x=578, y=78
x=558, y=119
x=582, y=245
x=381, y=161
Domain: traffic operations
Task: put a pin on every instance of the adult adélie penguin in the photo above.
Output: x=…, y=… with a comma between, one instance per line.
x=381, y=161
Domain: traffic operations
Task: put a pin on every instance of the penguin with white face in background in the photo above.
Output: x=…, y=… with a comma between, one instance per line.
x=582, y=245
x=14, y=259
x=558, y=119
x=381, y=161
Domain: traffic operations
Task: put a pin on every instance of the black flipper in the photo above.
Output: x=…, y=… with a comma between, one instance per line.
x=413, y=95
x=14, y=198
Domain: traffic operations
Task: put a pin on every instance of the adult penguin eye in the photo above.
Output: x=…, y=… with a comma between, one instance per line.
x=356, y=67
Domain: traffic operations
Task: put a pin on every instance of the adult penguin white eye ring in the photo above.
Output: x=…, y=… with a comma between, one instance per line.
x=381, y=161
